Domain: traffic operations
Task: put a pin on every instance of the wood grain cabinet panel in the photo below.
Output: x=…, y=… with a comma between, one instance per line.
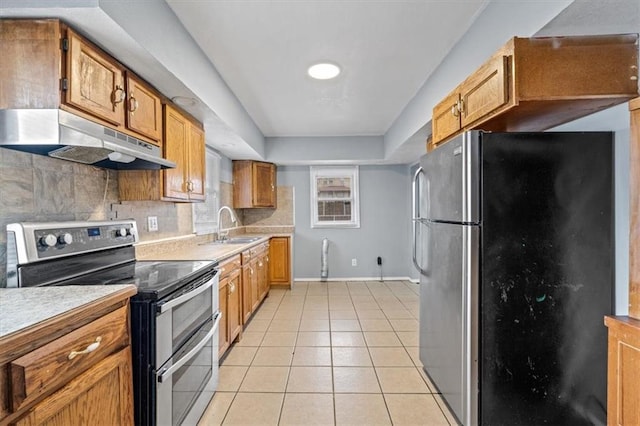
x=280, y=261
x=533, y=84
x=623, y=376
x=254, y=184
x=634, y=203
x=95, y=81
x=231, y=304
x=223, y=329
x=144, y=109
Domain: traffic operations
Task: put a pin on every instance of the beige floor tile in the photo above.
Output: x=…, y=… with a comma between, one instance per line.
x=288, y=315
x=414, y=410
x=341, y=306
x=266, y=315
x=351, y=357
x=404, y=324
x=343, y=315
x=381, y=338
x=401, y=380
x=414, y=353
x=273, y=356
x=366, y=306
x=361, y=409
x=355, y=380
x=256, y=325
x=310, y=379
x=265, y=379
x=255, y=409
x=279, y=338
x=345, y=325
x=314, y=325
x=445, y=409
x=423, y=374
x=231, y=377
x=307, y=409
x=313, y=338
x=390, y=357
x=370, y=314
x=408, y=338
x=217, y=409
x=375, y=325
x=251, y=338
x=284, y=325
x=314, y=299
x=240, y=355
x=398, y=314
x=312, y=356
x=347, y=338
x=313, y=314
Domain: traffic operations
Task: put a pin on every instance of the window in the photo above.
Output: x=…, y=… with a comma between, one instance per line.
x=204, y=214
x=334, y=197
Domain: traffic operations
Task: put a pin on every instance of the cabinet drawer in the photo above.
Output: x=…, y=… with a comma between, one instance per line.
x=229, y=265
x=64, y=358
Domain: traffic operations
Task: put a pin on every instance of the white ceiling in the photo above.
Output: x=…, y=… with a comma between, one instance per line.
x=386, y=50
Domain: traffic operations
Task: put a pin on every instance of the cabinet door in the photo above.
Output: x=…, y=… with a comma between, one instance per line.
x=223, y=329
x=175, y=149
x=234, y=306
x=264, y=185
x=101, y=395
x=279, y=265
x=95, y=82
x=446, y=118
x=247, y=304
x=255, y=282
x=197, y=167
x=484, y=91
x=144, y=109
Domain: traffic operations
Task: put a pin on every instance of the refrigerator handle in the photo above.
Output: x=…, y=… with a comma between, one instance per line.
x=416, y=219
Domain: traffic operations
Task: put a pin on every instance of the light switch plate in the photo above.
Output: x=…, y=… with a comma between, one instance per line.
x=152, y=223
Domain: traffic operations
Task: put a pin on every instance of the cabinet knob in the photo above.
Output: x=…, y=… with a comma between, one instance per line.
x=118, y=95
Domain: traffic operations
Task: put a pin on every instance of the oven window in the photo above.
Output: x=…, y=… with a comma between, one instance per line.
x=189, y=316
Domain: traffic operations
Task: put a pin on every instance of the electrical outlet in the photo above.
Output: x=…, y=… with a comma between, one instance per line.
x=354, y=262
x=152, y=223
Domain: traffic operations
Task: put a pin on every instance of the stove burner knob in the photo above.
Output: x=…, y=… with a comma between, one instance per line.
x=65, y=238
x=48, y=240
x=122, y=232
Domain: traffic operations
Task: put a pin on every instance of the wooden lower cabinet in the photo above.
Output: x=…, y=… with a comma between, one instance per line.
x=280, y=261
x=623, y=376
x=101, y=395
x=230, y=292
x=72, y=369
x=223, y=329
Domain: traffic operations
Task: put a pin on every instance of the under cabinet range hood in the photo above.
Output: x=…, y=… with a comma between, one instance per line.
x=60, y=134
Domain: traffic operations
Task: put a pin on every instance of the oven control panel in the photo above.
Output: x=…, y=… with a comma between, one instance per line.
x=40, y=241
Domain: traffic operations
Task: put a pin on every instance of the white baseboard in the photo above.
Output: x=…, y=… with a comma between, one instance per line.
x=355, y=279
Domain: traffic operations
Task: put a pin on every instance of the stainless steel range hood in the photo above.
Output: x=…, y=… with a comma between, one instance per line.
x=60, y=134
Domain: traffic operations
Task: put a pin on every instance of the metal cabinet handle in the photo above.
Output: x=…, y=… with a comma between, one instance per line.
x=454, y=110
x=133, y=103
x=461, y=106
x=232, y=288
x=92, y=347
x=117, y=98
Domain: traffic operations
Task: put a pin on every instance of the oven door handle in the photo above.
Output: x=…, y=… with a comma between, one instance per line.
x=165, y=373
x=187, y=296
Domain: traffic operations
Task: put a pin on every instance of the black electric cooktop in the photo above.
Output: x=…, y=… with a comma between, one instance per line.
x=154, y=279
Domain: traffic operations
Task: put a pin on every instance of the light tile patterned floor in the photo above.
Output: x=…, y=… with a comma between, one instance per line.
x=336, y=353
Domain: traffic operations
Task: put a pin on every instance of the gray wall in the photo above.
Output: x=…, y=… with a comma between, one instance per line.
x=384, y=226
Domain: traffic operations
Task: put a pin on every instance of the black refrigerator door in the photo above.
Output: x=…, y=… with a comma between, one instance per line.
x=547, y=277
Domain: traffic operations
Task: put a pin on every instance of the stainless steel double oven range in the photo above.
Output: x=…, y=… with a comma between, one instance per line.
x=174, y=316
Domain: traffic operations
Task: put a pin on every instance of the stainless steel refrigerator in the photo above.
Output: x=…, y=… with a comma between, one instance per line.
x=514, y=240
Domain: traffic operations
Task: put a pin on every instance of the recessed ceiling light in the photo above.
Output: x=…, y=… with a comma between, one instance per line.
x=323, y=71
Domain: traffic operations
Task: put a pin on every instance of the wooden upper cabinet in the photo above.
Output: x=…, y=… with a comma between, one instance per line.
x=144, y=109
x=95, y=82
x=184, y=145
x=533, y=84
x=254, y=184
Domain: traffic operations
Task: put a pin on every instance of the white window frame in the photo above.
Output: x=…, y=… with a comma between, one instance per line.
x=316, y=172
x=205, y=220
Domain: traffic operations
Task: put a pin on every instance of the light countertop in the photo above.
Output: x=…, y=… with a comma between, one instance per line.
x=21, y=308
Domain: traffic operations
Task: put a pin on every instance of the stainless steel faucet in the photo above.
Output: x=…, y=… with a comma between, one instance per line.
x=223, y=235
